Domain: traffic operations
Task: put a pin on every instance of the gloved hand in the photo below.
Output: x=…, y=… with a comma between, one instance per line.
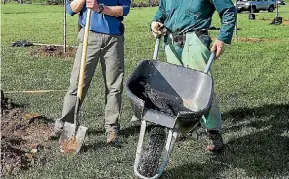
x=157, y=29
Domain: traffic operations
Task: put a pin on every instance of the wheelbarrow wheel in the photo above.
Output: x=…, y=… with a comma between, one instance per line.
x=152, y=153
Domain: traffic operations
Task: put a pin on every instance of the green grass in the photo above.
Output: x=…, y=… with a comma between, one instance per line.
x=251, y=80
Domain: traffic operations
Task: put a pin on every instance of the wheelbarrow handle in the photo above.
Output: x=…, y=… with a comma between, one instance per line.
x=157, y=45
x=209, y=63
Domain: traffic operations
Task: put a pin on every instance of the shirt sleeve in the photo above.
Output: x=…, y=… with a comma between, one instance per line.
x=126, y=6
x=68, y=8
x=228, y=14
x=160, y=15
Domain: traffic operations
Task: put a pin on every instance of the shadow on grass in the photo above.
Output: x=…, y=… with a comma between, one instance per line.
x=262, y=153
x=93, y=146
x=95, y=131
x=130, y=131
x=125, y=133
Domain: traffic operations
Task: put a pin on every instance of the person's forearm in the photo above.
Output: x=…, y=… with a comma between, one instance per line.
x=228, y=14
x=228, y=23
x=77, y=5
x=113, y=10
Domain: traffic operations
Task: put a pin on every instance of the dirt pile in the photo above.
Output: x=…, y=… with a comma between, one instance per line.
x=22, y=136
x=151, y=3
x=279, y=20
x=70, y=146
x=54, y=51
x=251, y=39
x=157, y=100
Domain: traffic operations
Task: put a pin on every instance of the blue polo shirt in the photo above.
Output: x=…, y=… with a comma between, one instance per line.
x=102, y=23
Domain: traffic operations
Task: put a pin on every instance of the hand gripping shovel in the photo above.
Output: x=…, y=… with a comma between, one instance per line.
x=73, y=135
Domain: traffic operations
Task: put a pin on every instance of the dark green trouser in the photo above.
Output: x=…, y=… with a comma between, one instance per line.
x=195, y=55
x=110, y=50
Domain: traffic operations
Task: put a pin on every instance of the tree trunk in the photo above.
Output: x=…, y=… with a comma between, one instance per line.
x=64, y=33
x=236, y=26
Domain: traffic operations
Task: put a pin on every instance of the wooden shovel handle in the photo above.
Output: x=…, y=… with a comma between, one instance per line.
x=84, y=54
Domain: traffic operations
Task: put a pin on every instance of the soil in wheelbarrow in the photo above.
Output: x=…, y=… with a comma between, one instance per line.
x=23, y=135
x=54, y=51
x=154, y=99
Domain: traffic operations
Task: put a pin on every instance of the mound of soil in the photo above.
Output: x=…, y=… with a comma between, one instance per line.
x=54, y=51
x=166, y=103
x=23, y=135
x=258, y=40
x=157, y=100
x=151, y=3
x=284, y=21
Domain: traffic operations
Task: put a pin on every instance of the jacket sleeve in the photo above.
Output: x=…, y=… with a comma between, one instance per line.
x=126, y=6
x=228, y=14
x=160, y=15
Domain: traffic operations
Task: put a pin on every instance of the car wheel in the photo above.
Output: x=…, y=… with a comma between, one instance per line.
x=271, y=9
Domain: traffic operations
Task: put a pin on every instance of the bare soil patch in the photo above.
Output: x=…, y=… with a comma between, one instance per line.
x=284, y=21
x=54, y=51
x=249, y=39
x=23, y=135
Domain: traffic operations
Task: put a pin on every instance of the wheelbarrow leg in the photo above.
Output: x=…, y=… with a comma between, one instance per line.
x=139, y=148
x=171, y=139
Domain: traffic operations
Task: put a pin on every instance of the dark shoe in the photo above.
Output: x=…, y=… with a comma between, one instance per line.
x=112, y=138
x=215, y=141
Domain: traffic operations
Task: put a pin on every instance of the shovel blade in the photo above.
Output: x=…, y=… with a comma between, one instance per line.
x=70, y=140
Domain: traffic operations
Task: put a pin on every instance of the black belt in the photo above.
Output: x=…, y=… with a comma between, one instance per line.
x=202, y=32
x=180, y=39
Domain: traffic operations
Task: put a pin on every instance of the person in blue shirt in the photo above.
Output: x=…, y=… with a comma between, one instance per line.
x=105, y=44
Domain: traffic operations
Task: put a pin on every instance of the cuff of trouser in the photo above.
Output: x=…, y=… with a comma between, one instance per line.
x=211, y=126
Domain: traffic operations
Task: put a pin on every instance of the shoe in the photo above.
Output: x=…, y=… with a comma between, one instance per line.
x=215, y=141
x=112, y=138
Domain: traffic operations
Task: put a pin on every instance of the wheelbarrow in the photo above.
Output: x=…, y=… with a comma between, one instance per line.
x=186, y=92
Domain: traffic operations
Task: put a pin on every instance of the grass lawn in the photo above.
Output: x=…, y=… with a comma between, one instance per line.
x=251, y=80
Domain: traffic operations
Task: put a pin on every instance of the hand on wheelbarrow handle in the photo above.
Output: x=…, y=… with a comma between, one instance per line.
x=157, y=44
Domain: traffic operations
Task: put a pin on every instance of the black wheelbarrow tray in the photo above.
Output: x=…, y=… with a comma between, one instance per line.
x=189, y=89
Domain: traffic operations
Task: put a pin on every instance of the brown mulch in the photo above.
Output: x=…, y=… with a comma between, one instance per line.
x=23, y=136
x=249, y=39
x=153, y=3
x=284, y=21
x=54, y=51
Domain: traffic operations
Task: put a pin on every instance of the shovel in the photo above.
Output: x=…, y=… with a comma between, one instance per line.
x=72, y=136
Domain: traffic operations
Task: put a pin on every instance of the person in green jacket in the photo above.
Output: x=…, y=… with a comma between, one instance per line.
x=185, y=25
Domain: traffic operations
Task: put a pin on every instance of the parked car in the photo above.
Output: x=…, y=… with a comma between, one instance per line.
x=256, y=5
x=281, y=2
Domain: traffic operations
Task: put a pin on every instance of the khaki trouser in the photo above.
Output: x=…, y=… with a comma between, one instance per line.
x=109, y=49
x=194, y=55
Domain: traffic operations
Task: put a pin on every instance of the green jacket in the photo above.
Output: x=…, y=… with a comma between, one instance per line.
x=181, y=16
